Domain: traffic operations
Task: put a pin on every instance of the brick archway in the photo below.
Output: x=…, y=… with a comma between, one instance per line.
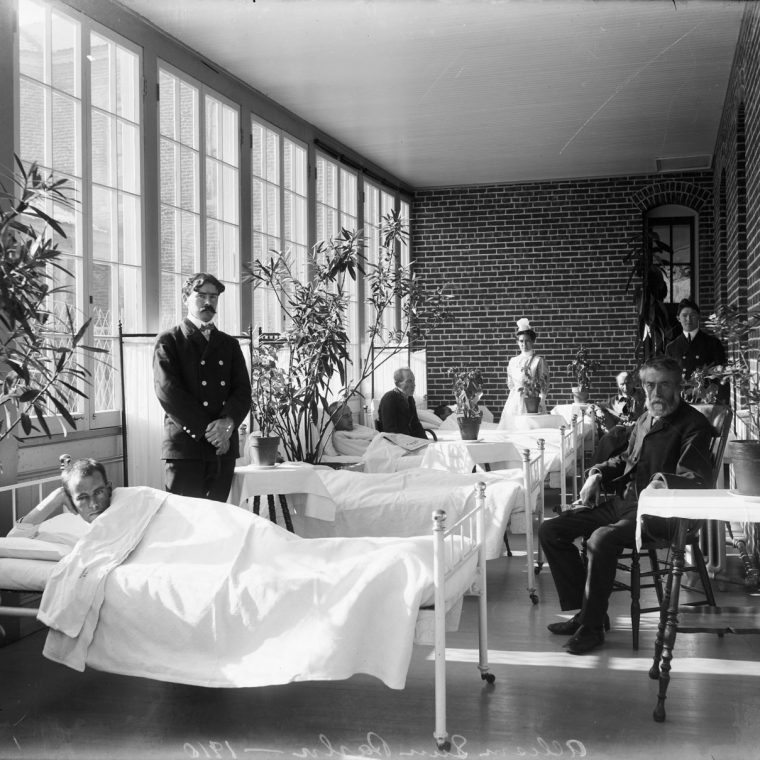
x=675, y=192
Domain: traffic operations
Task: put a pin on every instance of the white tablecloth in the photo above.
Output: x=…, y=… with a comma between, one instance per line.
x=297, y=479
x=500, y=449
x=697, y=504
x=510, y=422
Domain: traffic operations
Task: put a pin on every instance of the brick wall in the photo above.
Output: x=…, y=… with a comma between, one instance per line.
x=550, y=251
x=737, y=165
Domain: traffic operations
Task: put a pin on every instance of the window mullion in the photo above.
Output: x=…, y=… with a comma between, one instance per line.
x=85, y=206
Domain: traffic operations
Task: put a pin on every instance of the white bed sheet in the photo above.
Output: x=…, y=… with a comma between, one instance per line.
x=402, y=503
x=209, y=594
x=25, y=574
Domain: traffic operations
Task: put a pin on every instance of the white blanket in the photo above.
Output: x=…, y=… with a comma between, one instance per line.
x=402, y=503
x=199, y=592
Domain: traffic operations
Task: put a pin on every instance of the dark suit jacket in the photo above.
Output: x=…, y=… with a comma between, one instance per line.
x=397, y=414
x=677, y=446
x=198, y=381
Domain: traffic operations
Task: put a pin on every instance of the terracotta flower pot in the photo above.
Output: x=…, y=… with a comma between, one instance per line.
x=745, y=459
x=263, y=450
x=580, y=395
x=532, y=404
x=469, y=427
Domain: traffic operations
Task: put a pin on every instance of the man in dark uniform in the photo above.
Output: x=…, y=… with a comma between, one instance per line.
x=398, y=412
x=694, y=348
x=202, y=383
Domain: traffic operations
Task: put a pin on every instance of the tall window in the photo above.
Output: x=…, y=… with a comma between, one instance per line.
x=198, y=232
x=377, y=203
x=79, y=117
x=279, y=211
x=337, y=207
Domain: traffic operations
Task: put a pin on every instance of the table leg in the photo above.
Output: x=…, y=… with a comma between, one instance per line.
x=272, y=511
x=286, y=513
x=671, y=620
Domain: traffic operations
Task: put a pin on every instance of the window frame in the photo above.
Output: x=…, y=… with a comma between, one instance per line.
x=90, y=418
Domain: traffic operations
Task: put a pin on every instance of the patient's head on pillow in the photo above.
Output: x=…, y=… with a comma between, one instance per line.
x=87, y=486
x=341, y=415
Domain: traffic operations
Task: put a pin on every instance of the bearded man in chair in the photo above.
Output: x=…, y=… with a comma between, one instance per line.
x=668, y=448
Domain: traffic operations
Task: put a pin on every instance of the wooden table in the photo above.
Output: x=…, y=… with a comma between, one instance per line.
x=686, y=505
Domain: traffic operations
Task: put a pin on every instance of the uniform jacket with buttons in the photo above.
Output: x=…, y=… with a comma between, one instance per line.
x=676, y=446
x=702, y=351
x=198, y=381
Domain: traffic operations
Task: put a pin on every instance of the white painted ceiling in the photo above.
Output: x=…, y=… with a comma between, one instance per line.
x=451, y=92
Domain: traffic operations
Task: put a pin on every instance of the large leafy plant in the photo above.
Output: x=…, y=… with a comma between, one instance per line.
x=648, y=286
x=734, y=326
x=39, y=342
x=313, y=350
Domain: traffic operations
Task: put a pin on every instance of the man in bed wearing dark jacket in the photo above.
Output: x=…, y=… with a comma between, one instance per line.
x=202, y=383
x=669, y=448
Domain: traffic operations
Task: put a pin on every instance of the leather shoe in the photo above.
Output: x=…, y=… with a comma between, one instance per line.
x=569, y=627
x=585, y=639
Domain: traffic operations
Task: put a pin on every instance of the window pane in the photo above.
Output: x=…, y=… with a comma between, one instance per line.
x=167, y=88
x=188, y=114
x=169, y=179
x=130, y=231
x=101, y=148
x=33, y=120
x=33, y=53
x=65, y=54
x=128, y=156
x=103, y=222
x=65, y=131
x=127, y=84
x=100, y=80
x=188, y=179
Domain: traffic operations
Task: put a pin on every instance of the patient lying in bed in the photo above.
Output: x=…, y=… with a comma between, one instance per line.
x=171, y=588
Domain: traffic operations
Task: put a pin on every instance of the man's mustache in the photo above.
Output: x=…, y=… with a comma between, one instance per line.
x=209, y=308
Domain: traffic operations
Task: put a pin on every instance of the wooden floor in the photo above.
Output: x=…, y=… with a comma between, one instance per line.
x=545, y=702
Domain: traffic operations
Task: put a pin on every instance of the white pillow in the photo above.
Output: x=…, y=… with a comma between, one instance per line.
x=64, y=529
x=32, y=548
x=429, y=419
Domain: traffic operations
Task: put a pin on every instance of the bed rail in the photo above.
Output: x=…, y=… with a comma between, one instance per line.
x=571, y=447
x=453, y=547
x=33, y=491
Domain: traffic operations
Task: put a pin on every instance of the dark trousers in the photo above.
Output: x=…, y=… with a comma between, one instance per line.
x=608, y=529
x=205, y=479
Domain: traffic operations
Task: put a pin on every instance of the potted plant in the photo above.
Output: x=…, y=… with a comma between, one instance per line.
x=468, y=390
x=313, y=349
x=734, y=327
x=647, y=282
x=39, y=341
x=268, y=402
x=531, y=387
x=582, y=369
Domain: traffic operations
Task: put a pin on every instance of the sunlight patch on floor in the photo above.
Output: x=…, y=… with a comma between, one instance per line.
x=690, y=665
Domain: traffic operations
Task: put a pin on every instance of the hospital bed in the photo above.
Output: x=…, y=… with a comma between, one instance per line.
x=450, y=563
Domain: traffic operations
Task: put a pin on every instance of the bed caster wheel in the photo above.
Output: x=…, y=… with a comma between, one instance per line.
x=488, y=677
x=443, y=745
x=534, y=598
